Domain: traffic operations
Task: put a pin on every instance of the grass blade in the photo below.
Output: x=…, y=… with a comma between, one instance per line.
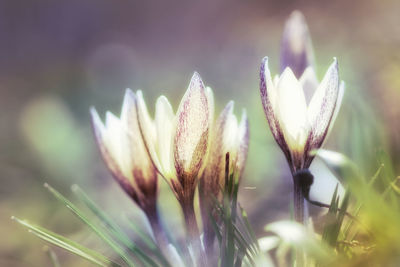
x=102, y=234
x=67, y=244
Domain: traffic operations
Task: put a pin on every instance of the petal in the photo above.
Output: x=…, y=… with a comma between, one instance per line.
x=148, y=130
x=214, y=173
x=210, y=101
x=292, y=111
x=108, y=151
x=165, y=126
x=268, y=99
x=190, y=143
x=243, y=140
x=322, y=106
x=142, y=168
x=296, y=46
x=342, y=89
x=116, y=141
x=98, y=126
x=309, y=82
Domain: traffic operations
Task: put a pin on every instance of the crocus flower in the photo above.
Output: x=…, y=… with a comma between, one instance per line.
x=296, y=46
x=123, y=150
x=178, y=142
x=227, y=136
x=300, y=126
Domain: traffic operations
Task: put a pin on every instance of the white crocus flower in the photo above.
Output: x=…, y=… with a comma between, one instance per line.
x=123, y=150
x=298, y=125
x=178, y=143
x=227, y=136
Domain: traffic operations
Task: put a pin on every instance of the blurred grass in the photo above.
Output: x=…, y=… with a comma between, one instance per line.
x=58, y=59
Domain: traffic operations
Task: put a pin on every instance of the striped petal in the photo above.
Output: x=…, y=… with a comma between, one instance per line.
x=214, y=173
x=322, y=106
x=268, y=99
x=243, y=143
x=190, y=142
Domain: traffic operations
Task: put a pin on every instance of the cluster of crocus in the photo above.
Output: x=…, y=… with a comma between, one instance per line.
x=190, y=150
x=300, y=111
x=183, y=148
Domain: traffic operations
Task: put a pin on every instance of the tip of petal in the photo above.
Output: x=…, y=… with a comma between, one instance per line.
x=111, y=119
x=230, y=105
x=196, y=78
x=95, y=116
x=297, y=16
x=162, y=101
x=93, y=111
x=139, y=93
x=287, y=74
x=244, y=115
x=129, y=93
x=128, y=103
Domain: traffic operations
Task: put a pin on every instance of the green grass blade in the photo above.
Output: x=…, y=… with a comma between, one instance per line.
x=148, y=241
x=67, y=244
x=112, y=227
x=100, y=233
x=52, y=256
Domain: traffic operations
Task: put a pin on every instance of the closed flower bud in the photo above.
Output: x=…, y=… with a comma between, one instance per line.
x=296, y=46
x=177, y=143
x=123, y=150
x=227, y=136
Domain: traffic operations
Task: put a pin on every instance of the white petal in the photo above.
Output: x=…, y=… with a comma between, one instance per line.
x=210, y=101
x=322, y=105
x=148, y=129
x=230, y=138
x=98, y=125
x=211, y=109
x=191, y=138
x=141, y=165
x=342, y=89
x=269, y=99
x=128, y=104
x=243, y=142
x=116, y=141
x=292, y=111
x=165, y=126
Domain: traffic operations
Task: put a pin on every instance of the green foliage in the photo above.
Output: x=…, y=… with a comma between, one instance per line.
x=359, y=228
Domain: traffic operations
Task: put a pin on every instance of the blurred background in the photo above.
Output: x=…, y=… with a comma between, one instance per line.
x=58, y=58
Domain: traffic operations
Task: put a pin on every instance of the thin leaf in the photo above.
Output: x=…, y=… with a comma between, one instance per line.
x=102, y=234
x=67, y=244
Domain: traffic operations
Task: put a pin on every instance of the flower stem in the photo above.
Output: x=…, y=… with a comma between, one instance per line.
x=300, y=213
x=192, y=230
x=299, y=202
x=156, y=226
